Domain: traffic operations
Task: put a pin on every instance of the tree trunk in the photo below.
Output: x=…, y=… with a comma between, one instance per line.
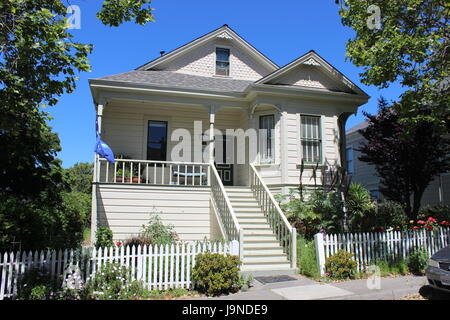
x=418, y=193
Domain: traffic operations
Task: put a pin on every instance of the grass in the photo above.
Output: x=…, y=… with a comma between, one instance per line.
x=306, y=258
x=168, y=294
x=87, y=236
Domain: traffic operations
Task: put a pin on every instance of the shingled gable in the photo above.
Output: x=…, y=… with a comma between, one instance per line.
x=224, y=32
x=312, y=64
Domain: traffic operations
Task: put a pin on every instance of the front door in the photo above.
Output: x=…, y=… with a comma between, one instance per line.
x=224, y=159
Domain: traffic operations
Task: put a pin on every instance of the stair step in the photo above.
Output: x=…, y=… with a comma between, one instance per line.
x=248, y=228
x=254, y=230
x=247, y=210
x=263, y=251
x=252, y=219
x=265, y=259
x=254, y=214
x=266, y=267
x=245, y=205
x=263, y=237
x=257, y=244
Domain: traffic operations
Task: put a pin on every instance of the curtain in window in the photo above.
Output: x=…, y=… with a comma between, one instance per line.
x=311, y=139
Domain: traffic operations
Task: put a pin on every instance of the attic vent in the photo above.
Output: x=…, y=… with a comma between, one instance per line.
x=224, y=35
x=311, y=62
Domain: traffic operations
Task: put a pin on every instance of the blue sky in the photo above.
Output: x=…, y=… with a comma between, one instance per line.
x=282, y=30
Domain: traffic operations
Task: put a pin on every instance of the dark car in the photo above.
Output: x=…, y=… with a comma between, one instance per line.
x=438, y=270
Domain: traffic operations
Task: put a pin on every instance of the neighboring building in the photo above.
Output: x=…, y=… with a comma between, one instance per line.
x=438, y=192
x=222, y=82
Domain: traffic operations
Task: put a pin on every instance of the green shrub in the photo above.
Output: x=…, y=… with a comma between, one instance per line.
x=306, y=258
x=113, y=282
x=104, y=237
x=155, y=232
x=360, y=207
x=215, y=274
x=392, y=267
x=390, y=214
x=36, y=284
x=341, y=265
x=439, y=212
x=418, y=261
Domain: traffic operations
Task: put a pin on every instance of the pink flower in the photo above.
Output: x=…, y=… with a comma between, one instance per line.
x=118, y=243
x=445, y=223
x=420, y=222
x=431, y=219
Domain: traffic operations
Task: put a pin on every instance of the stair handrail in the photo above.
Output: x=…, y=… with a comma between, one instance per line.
x=226, y=213
x=288, y=243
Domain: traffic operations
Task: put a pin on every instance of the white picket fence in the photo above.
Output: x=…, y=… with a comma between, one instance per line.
x=158, y=267
x=374, y=246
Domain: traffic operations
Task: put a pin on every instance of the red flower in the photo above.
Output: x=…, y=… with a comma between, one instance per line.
x=431, y=219
x=420, y=222
x=445, y=223
x=429, y=228
x=416, y=227
x=118, y=243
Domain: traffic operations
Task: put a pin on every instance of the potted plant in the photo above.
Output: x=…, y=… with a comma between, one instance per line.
x=123, y=172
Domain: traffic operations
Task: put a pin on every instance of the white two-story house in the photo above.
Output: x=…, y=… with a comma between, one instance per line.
x=206, y=134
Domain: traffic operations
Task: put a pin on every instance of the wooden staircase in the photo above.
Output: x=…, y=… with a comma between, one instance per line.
x=262, y=253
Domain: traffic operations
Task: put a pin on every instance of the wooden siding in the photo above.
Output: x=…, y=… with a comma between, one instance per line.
x=125, y=209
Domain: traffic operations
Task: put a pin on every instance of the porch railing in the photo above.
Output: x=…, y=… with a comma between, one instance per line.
x=284, y=232
x=152, y=172
x=225, y=210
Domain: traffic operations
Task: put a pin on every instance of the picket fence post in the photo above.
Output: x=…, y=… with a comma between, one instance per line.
x=320, y=252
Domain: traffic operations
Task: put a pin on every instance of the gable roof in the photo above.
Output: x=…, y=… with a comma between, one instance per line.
x=223, y=32
x=179, y=80
x=312, y=59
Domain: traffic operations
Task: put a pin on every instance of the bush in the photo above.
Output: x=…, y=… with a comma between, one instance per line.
x=341, y=265
x=306, y=258
x=359, y=208
x=155, y=233
x=36, y=284
x=215, y=274
x=439, y=212
x=104, y=237
x=113, y=282
x=418, y=261
x=390, y=214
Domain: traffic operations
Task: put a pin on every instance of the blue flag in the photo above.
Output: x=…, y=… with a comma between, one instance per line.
x=101, y=148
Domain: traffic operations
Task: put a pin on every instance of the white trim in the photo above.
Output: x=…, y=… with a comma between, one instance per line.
x=146, y=119
x=212, y=35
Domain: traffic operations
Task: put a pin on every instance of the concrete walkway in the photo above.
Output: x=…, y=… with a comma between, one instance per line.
x=307, y=289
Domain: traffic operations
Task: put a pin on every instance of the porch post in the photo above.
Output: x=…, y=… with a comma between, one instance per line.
x=95, y=178
x=212, y=119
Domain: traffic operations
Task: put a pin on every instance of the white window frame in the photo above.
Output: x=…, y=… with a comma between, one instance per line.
x=321, y=131
x=271, y=160
x=229, y=61
x=350, y=147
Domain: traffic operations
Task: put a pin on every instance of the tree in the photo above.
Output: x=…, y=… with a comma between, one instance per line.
x=79, y=177
x=410, y=44
x=406, y=159
x=38, y=63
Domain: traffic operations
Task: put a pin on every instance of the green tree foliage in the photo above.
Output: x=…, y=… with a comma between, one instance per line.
x=410, y=45
x=39, y=60
x=79, y=177
x=406, y=159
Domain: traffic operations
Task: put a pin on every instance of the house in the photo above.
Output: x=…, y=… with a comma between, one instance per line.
x=207, y=134
x=438, y=192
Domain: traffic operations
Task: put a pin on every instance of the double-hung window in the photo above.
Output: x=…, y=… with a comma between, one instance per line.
x=311, y=139
x=157, y=140
x=349, y=159
x=222, y=62
x=266, y=138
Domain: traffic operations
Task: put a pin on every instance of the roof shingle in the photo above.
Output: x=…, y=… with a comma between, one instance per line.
x=179, y=80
